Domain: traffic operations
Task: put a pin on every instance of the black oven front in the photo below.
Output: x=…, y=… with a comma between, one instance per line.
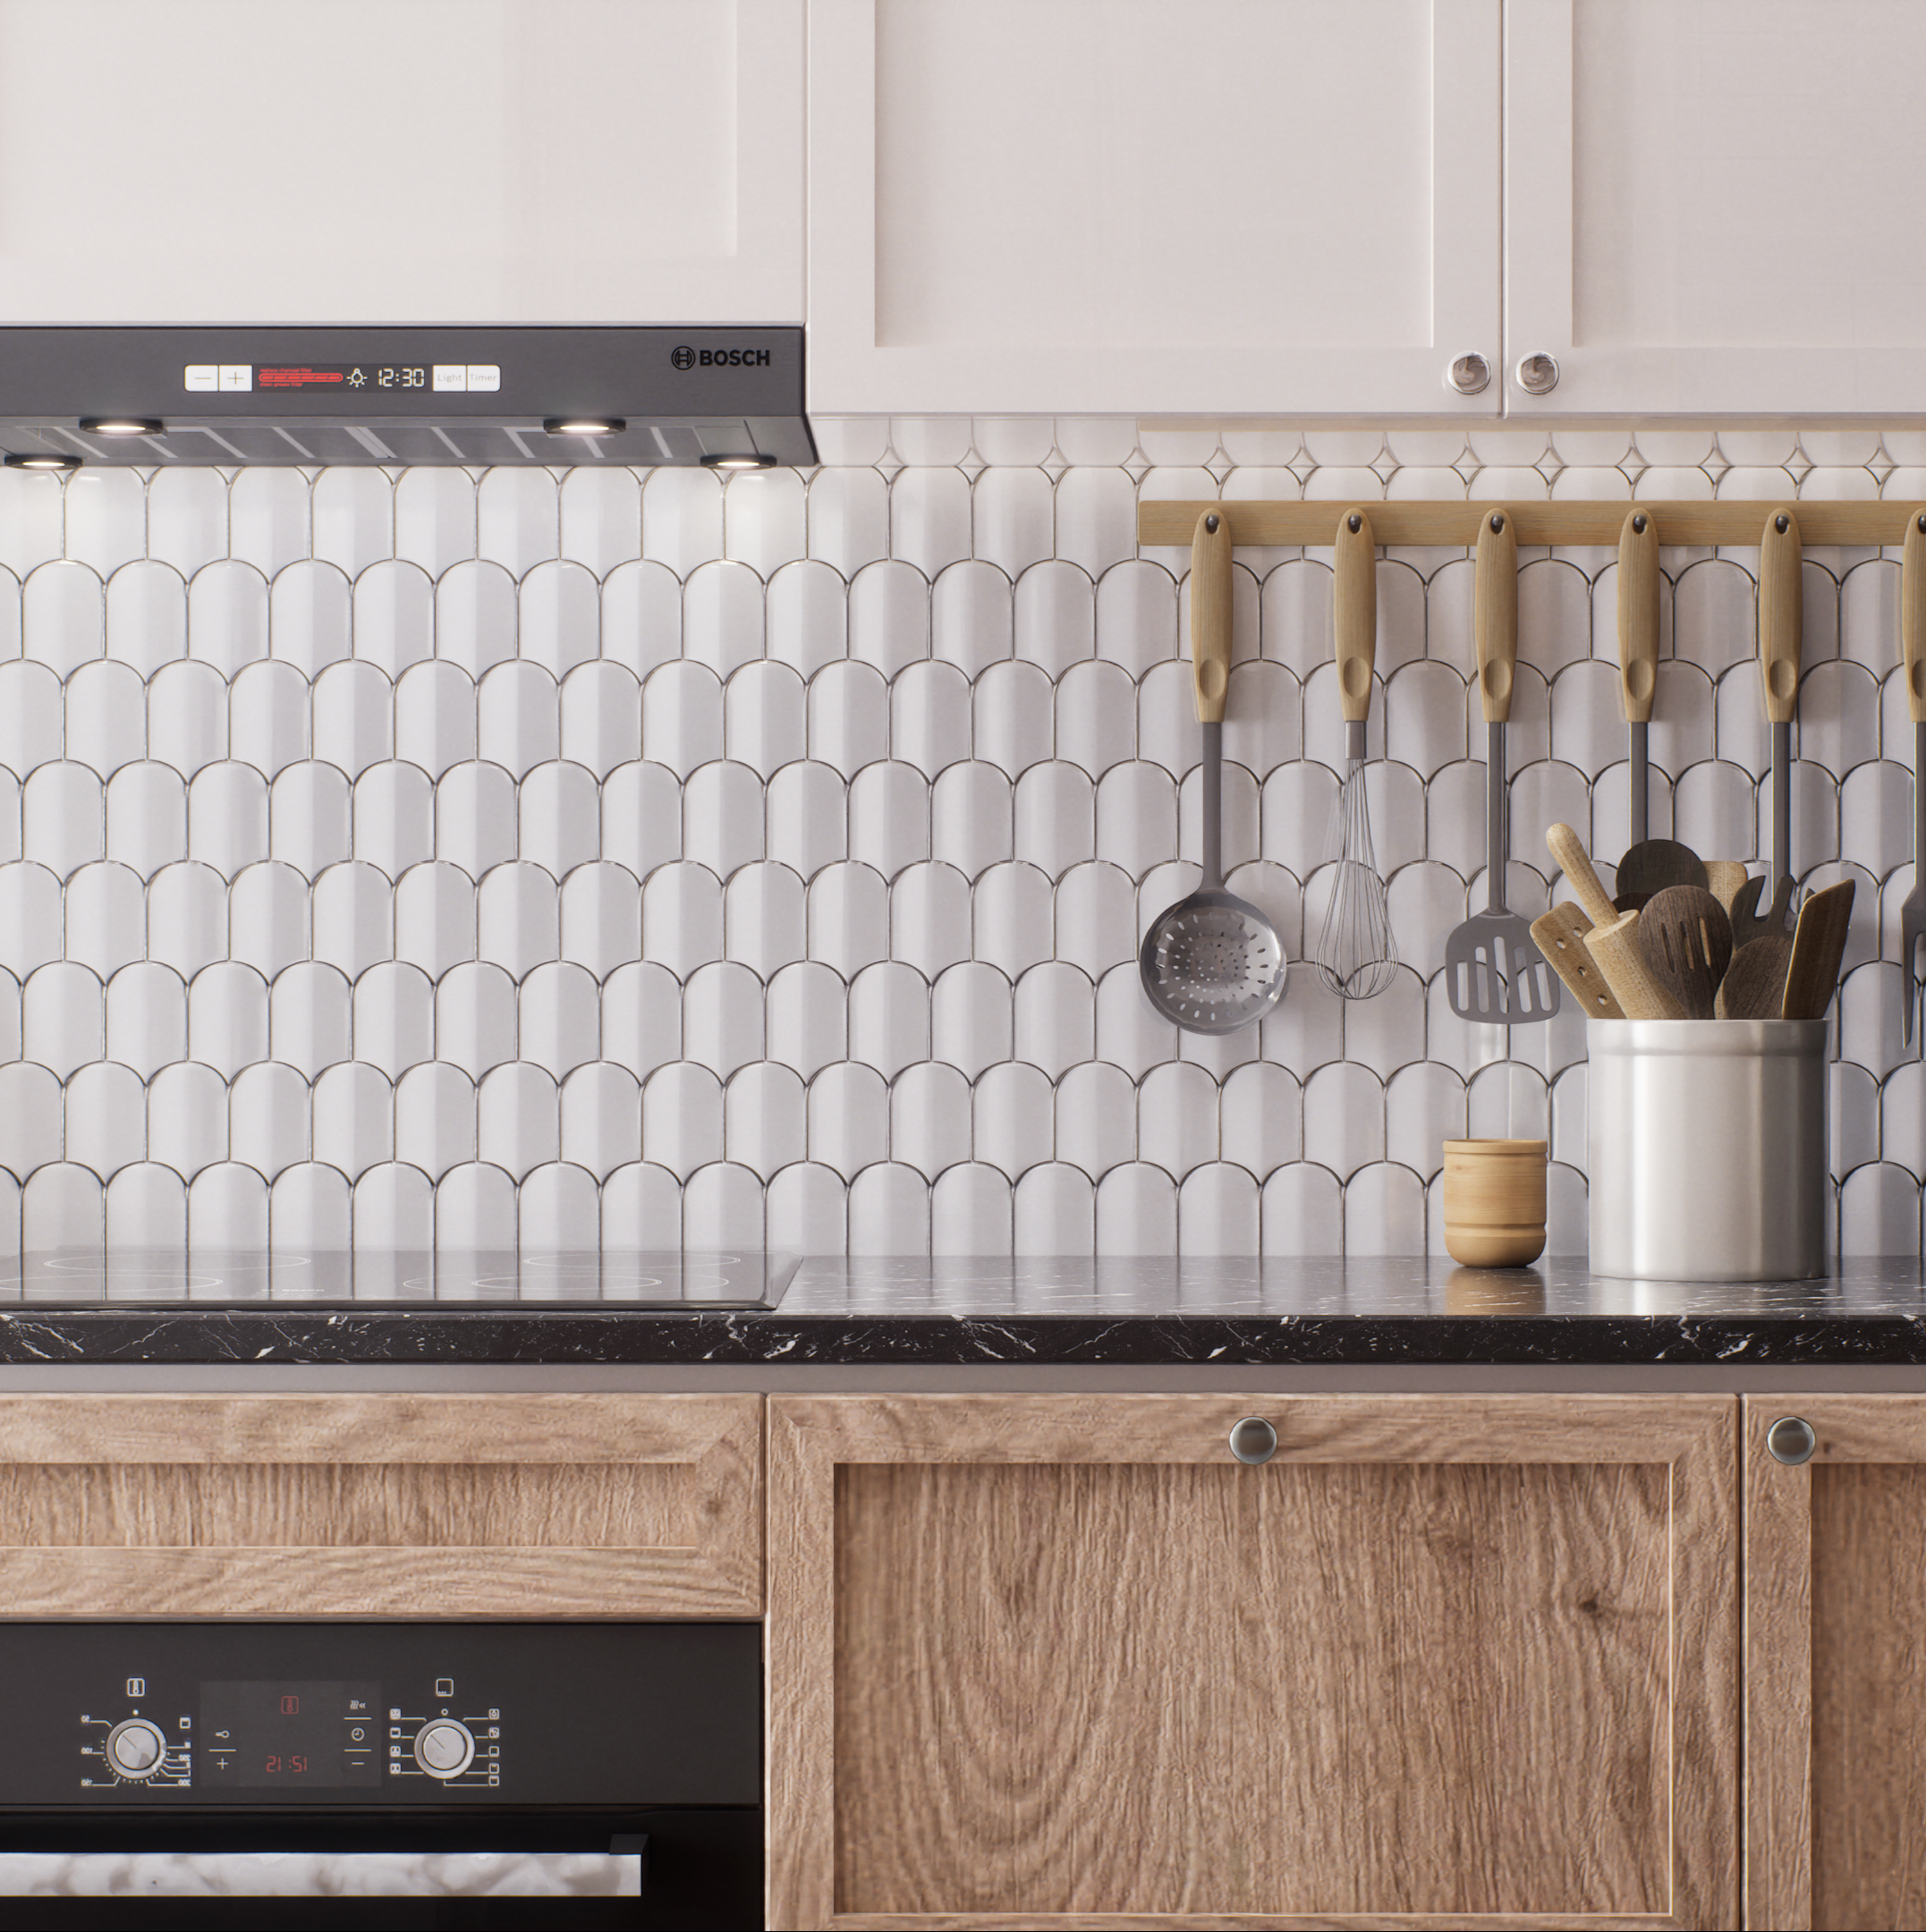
x=640, y=1740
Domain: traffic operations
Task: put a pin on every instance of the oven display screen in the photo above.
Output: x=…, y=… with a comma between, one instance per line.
x=286, y=1732
x=340, y=375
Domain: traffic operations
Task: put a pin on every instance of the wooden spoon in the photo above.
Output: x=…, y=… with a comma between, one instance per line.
x=1723, y=879
x=1655, y=863
x=1686, y=939
x=1817, y=947
x=1560, y=936
x=1754, y=986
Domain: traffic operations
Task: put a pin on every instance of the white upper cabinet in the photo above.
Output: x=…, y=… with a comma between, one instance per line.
x=1154, y=206
x=1713, y=205
x=401, y=161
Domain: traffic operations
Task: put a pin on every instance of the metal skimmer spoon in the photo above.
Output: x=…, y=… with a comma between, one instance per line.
x=1212, y=963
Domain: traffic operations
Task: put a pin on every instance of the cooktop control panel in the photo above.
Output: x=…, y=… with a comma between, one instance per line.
x=415, y=1715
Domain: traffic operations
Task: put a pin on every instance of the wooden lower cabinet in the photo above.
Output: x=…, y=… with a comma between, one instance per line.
x=1836, y=1664
x=1440, y=1661
x=583, y=1505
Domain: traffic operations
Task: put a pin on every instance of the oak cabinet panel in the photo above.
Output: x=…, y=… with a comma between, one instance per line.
x=1440, y=1660
x=1835, y=1665
x=381, y=1505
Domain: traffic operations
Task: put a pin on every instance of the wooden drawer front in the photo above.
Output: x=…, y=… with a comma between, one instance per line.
x=1440, y=1661
x=1835, y=1679
x=381, y=1505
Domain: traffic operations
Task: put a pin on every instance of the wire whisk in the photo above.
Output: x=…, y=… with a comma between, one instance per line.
x=1356, y=954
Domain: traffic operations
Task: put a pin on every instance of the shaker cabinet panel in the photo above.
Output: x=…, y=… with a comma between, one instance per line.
x=1152, y=204
x=1710, y=206
x=586, y=1506
x=207, y=161
x=1437, y=1661
x=1835, y=1673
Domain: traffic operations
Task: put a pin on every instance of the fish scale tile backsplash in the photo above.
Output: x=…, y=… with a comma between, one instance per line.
x=432, y=857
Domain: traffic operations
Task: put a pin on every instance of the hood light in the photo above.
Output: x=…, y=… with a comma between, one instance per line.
x=23, y=459
x=121, y=425
x=583, y=426
x=738, y=462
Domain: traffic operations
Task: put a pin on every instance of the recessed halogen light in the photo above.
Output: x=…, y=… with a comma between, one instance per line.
x=118, y=426
x=584, y=425
x=738, y=462
x=36, y=460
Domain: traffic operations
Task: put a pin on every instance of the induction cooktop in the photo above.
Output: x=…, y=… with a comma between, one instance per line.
x=690, y=1279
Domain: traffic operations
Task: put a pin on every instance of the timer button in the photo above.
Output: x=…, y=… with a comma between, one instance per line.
x=134, y=1748
x=444, y=1749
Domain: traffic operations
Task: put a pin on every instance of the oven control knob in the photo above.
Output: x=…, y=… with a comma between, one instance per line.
x=444, y=1749
x=134, y=1748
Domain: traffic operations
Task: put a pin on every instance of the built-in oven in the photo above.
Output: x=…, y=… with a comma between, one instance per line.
x=639, y=1742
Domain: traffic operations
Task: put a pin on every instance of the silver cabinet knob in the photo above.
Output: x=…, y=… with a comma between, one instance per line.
x=1468, y=375
x=134, y=1748
x=1538, y=374
x=1791, y=1440
x=444, y=1749
x=1254, y=1440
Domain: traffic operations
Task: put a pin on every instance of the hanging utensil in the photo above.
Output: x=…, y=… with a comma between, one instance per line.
x=1356, y=954
x=1638, y=656
x=1780, y=618
x=1212, y=963
x=1913, y=649
x=1493, y=972
x=1686, y=941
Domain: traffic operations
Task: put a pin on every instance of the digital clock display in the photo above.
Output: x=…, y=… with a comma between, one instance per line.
x=340, y=375
x=291, y=1732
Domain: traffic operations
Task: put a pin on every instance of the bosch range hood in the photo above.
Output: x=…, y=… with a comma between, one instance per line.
x=727, y=398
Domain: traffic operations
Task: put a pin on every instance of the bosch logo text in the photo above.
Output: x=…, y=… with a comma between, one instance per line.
x=684, y=357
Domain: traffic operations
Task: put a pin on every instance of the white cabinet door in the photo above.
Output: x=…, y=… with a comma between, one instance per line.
x=1152, y=206
x=1713, y=205
x=428, y=161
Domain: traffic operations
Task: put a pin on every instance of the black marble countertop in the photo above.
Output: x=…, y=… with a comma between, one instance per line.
x=1137, y=1311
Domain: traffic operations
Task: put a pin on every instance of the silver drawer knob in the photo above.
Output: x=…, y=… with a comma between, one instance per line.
x=1469, y=374
x=1538, y=374
x=1254, y=1440
x=1791, y=1440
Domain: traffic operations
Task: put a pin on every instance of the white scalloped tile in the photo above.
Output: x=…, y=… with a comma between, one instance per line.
x=393, y=1208
x=929, y=917
x=518, y=1118
x=930, y=518
x=1177, y=1117
x=682, y=518
x=1011, y=1108
x=765, y=918
x=146, y=616
x=642, y=1017
x=475, y=1208
x=146, y=1206
x=560, y=616
x=1137, y=817
x=929, y=1118
x=1011, y=722
x=682, y=1118
x=106, y=516
x=722, y=616
x=642, y=616
x=1096, y=1118
x=721, y=820
x=1054, y=1017
x=1012, y=913
x=765, y=714
x=972, y=1212
x=476, y=615
x=1130, y=1033
x=972, y=810
x=32, y=511
x=1880, y=1211
x=889, y=1211
x=1715, y=812
x=1096, y=722
x=105, y=1109
x=63, y=1017
x=848, y=717
x=1303, y=1211
x=435, y=517
x=1839, y=717
x=848, y=517
x=848, y=917
x=354, y=716
x=601, y=518
x=1238, y=807
x=1714, y=624
x=1217, y=1211
x=807, y=818
x=1384, y=1212
x=1815, y=816
x=600, y=1115
x=62, y=611
x=971, y=1018
x=848, y=1118
x=1137, y=1211
x=970, y=615
x=227, y=616
x=806, y=1210
x=1056, y=610
x=888, y=1017
x=766, y=1117
x=353, y=1118
x=560, y=1029
x=106, y=918
x=1136, y=616
x=889, y=817
x=721, y=1017
x=518, y=518
x=1013, y=513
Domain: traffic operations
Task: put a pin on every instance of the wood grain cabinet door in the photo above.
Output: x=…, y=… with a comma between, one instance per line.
x=581, y=1506
x=1835, y=1661
x=1464, y=1661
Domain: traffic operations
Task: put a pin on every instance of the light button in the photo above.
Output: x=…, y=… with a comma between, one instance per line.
x=484, y=376
x=451, y=375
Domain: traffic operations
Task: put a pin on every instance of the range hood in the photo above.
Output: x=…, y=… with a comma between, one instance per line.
x=727, y=398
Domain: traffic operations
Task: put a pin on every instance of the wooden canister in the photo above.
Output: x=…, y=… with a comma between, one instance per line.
x=1495, y=1202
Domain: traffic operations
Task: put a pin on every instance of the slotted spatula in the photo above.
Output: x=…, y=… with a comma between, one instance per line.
x=1493, y=972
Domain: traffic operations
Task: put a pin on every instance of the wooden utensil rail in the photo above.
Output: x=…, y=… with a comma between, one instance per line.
x=1453, y=521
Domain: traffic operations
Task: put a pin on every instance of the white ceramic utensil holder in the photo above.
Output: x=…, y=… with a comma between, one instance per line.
x=1707, y=1149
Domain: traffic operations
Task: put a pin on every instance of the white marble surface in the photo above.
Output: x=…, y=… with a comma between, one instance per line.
x=310, y=1874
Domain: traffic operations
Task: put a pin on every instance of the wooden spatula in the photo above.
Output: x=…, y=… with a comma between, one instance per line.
x=1818, y=945
x=1754, y=986
x=1723, y=879
x=1560, y=936
x=1686, y=939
